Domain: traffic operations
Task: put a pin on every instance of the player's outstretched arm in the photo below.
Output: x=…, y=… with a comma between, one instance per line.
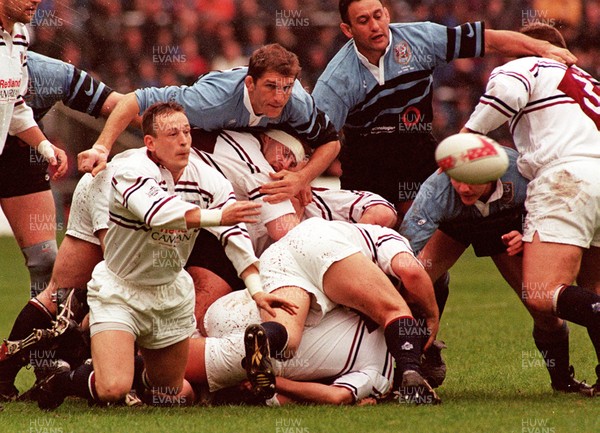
x=237, y=212
x=312, y=392
x=94, y=159
x=514, y=44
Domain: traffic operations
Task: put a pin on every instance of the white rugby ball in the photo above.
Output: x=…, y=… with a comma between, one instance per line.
x=471, y=158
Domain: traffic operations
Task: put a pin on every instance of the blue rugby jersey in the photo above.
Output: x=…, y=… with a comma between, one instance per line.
x=387, y=126
x=438, y=202
x=52, y=80
x=216, y=101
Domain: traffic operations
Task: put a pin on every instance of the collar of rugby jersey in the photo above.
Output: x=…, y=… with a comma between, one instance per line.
x=379, y=70
x=254, y=119
x=484, y=208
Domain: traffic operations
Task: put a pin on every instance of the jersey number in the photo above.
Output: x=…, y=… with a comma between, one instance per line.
x=584, y=92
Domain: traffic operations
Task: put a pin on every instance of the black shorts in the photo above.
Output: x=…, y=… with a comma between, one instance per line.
x=485, y=233
x=208, y=253
x=22, y=170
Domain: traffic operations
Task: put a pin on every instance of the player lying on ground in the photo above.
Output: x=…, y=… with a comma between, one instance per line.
x=552, y=112
x=320, y=264
x=447, y=216
x=339, y=349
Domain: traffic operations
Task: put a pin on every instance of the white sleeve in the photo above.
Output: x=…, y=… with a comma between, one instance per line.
x=363, y=383
x=139, y=192
x=388, y=244
x=507, y=92
x=22, y=118
x=342, y=204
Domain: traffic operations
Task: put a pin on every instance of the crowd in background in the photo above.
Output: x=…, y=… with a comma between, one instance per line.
x=137, y=43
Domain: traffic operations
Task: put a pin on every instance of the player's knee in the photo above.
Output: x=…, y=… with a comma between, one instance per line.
x=112, y=389
x=39, y=259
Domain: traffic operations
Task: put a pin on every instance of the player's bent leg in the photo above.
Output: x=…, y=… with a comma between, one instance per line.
x=75, y=262
x=32, y=218
x=209, y=287
x=165, y=371
x=195, y=370
x=113, y=360
x=358, y=283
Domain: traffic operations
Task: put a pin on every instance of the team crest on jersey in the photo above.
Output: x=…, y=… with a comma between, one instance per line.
x=509, y=192
x=402, y=53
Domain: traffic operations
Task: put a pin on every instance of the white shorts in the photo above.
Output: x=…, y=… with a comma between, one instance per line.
x=223, y=361
x=158, y=316
x=89, y=209
x=301, y=259
x=230, y=314
x=563, y=204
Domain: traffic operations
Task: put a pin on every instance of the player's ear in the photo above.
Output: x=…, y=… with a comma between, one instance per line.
x=386, y=13
x=149, y=142
x=249, y=83
x=346, y=30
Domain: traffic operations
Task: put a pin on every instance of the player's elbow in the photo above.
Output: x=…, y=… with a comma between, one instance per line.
x=340, y=396
x=380, y=215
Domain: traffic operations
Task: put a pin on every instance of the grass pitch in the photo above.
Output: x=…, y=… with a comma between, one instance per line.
x=496, y=379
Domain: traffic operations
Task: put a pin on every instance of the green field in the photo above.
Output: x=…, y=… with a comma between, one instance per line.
x=496, y=380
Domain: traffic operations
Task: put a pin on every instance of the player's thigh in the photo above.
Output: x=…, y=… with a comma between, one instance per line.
x=32, y=217
x=589, y=273
x=358, y=283
x=165, y=367
x=440, y=253
x=294, y=324
x=75, y=262
x=113, y=358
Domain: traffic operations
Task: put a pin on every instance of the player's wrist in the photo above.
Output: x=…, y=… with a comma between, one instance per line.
x=101, y=149
x=46, y=149
x=210, y=217
x=253, y=284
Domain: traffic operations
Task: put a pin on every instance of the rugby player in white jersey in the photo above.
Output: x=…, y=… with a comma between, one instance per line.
x=339, y=350
x=553, y=114
x=155, y=212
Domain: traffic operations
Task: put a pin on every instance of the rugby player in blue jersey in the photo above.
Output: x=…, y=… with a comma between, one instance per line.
x=447, y=216
x=266, y=94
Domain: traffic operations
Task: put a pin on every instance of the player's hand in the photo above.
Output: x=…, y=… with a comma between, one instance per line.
x=286, y=184
x=56, y=157
x=240, y=212
x=559, y=54
x=514, y=241
x=267, y=302
x=93, y=160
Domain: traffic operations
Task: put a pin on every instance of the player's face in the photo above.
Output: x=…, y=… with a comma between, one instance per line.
x=269, y=93
x=279, y=156
x=369, y=26
x=19, y=11
x=470, y=193
x=171, y=146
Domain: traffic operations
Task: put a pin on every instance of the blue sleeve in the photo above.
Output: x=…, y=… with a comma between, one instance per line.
x=432, y=205
x=307, y=120
x=467, y=40
x=330, y=102
x=49, y=81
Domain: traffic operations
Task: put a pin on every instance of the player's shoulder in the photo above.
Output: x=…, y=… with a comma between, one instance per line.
x=136, y=163
x=220, y=85
x=344, y=66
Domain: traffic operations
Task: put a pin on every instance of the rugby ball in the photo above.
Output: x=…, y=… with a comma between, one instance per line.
x=471, y=158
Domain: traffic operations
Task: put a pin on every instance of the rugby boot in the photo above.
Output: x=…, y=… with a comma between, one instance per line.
x=48, y=393
x=257, y=362
x=414, y=389
x=572, y=385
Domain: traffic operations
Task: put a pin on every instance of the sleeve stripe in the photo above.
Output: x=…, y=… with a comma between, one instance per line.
x=519, y=77
x=138, y=184
x=148, y=218
x=496, y=103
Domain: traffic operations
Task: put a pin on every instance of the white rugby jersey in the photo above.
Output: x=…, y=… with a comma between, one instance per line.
x=15, y=115
x=553, y=111
x=238, y=157
x=338, y=349
x=342, y=204
x=147, y=240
